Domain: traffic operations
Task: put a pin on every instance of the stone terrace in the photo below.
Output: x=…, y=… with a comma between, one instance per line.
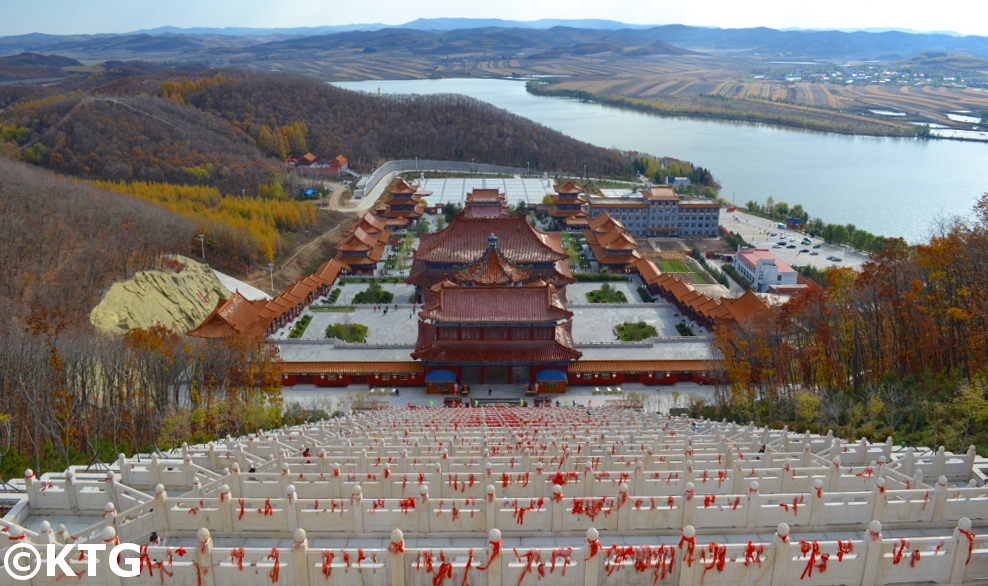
x=511, y=495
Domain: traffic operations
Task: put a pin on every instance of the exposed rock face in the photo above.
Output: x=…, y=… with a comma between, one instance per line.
x=176, y=300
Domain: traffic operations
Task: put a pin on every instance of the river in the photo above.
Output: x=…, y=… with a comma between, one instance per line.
x=889, y=186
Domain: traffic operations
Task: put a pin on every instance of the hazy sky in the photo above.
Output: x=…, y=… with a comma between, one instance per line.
x=106, y=16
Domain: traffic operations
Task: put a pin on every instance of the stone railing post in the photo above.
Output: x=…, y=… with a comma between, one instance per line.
x=557, y=508
x=494, y=559
x=539, y=480
x=969, y=458
x=438, y=478
x=323, y=462
x=285, y=478
x=156, y=469
x=624, y=508
x=939, y=498
x=187, y=474
x=33, y=487
x=226, y=508
x=688, y=555
x=878, y=500
x=396, y=561
x=203, y=561
x=125, y=470
x=782, y=557
x=336, y=482
x=816, y=502
x=357, y=509
x=300, y=565
x=45, y=533
x=591, y=576
x=112, y=488
x=753, y=507
x=687, y=513
x=638, y=480
x=873, y=553
x=737, y=480
x=106, y=575
x=110, y=514
x=963, y=547
x=386, y=480
x=490, y=507
x=161, y=508
x=424, y=508
x=588, y=481
x=291, y=507
x=833, y=475
x=939, y=462
x=71, y=495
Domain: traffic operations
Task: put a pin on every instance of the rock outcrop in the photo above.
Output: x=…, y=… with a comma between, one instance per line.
x=178, y=300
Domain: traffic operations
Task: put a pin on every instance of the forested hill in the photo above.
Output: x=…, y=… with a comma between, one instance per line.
x=230, y=130
x=368, y=128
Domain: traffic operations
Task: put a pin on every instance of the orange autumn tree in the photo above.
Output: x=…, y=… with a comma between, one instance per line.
x=888, y=349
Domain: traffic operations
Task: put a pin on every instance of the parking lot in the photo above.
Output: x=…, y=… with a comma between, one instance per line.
x=759, y=232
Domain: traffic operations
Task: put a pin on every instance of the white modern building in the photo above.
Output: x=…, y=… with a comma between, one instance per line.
x=660, y=212
x=763, y=269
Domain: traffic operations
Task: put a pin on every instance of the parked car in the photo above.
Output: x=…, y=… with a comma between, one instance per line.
x=817, y=245
x=791, y=246
x=814, y=253
x=805, y=250
x=837, y=259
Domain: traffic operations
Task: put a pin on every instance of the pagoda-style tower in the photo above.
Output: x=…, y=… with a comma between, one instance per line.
x=567, y=210
x=404, y=204
x=361, y=249
x=613, y=247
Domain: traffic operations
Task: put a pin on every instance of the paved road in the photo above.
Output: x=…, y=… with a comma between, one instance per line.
x=758, y=231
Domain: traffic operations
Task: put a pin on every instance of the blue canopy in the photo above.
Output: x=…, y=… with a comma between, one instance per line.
x=310, y=191
x=552, y=374
x=440, y=376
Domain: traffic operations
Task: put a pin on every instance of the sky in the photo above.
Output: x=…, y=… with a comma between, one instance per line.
x=117, y=16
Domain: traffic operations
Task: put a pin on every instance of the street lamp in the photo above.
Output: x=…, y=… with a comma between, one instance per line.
x=584, y=170
x=202, y=245
x=271, y=274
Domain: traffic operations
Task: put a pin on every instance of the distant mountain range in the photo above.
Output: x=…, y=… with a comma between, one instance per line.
x=463, y=35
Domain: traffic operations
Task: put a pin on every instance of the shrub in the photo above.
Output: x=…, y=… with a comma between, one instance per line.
x=644, y=294
x=334, y=295
x=605, y=276
x=299, y=328
x=606, y=294
x=347, y=332
x=634, y=331
x=684, y=329
x=374, y=294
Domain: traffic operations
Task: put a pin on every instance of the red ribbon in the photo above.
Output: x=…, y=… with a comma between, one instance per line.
x=237, y=557
x=396, y=547
x=970, y=543
x=495, y=551
x=327, y=563
x=276, y=570
x=844, y=547
x=594, y=547
x=241, y=515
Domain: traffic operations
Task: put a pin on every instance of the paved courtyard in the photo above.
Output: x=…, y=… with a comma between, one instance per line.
x=576, y=293
x=515, y=189
x=596, y=324
x=397, y=326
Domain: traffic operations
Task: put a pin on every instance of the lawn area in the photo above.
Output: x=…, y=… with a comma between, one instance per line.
x=632, y=331
x=606, y=294
x=673, y=266
x=676, y=266
x=347, y=332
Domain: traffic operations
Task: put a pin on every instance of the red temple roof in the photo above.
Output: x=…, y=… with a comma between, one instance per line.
x=559, y=349
x=465, y=239
x=485, y=196
x=233, y=315
x=492, y=268
x=475, y=211
x=403, y=186
x=538, y=302
x=568, y=187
